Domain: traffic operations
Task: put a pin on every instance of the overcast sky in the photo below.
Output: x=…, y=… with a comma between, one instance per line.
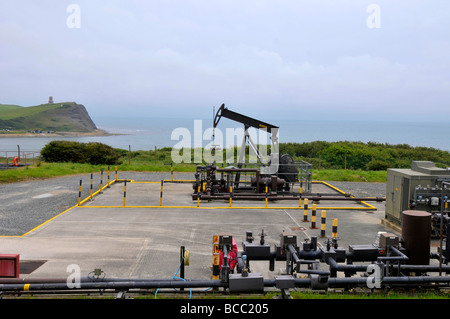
x=280, y=59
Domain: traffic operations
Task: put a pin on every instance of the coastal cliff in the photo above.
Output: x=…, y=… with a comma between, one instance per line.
x=62, y=117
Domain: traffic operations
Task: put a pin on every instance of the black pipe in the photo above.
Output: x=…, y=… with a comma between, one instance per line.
x=115, y=285
x=335, y=267
x=399, y=256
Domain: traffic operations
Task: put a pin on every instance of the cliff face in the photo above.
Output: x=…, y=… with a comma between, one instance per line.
x=58, y=117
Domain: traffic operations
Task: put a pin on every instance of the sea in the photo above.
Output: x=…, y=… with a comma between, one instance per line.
x=150, y=133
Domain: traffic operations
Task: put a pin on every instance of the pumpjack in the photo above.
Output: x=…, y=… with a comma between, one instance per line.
x=274, y=174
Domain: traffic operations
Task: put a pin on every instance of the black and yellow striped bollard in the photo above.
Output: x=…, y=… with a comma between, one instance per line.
x=305, y=211
x=313, y=216
x=323, y=224
x=335, y=226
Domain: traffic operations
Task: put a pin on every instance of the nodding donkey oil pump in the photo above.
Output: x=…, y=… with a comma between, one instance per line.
x=276, y=174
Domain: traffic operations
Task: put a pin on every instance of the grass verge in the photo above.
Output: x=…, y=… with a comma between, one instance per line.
x=48, y=170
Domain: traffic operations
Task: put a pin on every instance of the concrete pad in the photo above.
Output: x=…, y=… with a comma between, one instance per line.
x=143, y=240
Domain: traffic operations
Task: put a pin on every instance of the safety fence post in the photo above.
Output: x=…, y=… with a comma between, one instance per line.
x=267, y=191
x=161, y=194
x=108, y=178
x=79, y=193
x=124, y=192
x=198, y=196
x=101, y=181
x=231, y=195
x=92, y=177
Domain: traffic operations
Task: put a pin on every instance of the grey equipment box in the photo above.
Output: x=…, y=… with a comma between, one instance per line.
x=388, y=239
x=402, y=186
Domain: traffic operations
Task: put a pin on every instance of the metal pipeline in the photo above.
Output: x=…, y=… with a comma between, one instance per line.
x=399, y=256
x=158, y=284
x=115, y=285
x=347, y=269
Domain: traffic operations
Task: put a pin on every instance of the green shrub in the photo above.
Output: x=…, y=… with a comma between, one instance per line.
x=377, y=165
x=74, y=152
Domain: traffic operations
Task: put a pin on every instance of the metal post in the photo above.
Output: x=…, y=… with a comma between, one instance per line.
x=267, y=190
x=171, y=170
x=323, y=224
x=116, y=173
x=216, y=258
x=182, y=262
x=231, y=195
x=108, y=178
x=198, y=196
x=101, y=180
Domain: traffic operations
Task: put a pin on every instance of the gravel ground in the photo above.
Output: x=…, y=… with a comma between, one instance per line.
x=26, y=205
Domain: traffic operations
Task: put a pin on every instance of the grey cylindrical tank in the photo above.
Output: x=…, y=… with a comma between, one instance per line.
x=416, y=234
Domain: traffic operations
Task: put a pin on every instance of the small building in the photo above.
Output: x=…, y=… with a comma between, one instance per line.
x=50, y=100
